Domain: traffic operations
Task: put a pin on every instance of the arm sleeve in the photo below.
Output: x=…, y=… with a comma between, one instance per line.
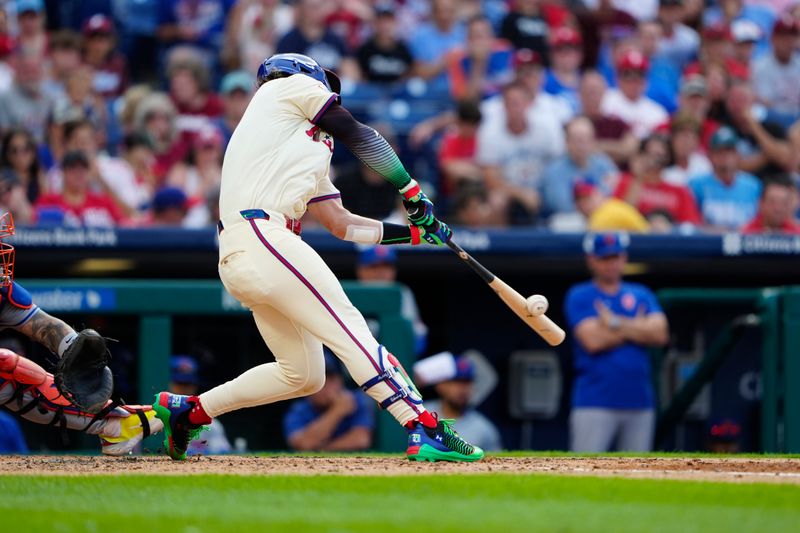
x=366, y=143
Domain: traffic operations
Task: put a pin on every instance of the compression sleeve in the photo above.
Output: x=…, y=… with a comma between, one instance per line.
x=366, y=143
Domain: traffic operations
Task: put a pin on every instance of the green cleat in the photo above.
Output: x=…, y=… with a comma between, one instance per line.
x=173, y=411
x=441, y=443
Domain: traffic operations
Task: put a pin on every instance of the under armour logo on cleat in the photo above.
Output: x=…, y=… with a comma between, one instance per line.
x=439, y=438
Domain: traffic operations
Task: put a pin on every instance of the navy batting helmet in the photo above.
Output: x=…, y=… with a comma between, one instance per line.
x=298, y=64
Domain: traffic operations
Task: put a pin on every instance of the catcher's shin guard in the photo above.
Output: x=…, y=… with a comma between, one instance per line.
x=128, y=426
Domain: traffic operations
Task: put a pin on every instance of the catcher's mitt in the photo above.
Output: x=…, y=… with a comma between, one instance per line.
x=82, y=374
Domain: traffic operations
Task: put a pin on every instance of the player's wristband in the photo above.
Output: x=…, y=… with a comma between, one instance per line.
x=411, y=190
x=399, y=234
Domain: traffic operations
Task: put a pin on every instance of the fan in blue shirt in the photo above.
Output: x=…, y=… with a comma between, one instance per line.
x=727, y=198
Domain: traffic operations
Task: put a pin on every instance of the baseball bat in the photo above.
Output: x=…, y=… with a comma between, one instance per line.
x=546, y=328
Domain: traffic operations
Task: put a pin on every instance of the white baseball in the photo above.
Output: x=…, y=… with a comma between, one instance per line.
x=537, y=304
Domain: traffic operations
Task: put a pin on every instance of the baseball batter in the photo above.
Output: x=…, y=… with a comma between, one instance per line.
x=28, y=390
x=276, y=168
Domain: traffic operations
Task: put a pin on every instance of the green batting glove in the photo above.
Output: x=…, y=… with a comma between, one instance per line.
x=437, y=233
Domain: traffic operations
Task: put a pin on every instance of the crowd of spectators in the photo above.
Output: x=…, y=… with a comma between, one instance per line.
x=660, y=116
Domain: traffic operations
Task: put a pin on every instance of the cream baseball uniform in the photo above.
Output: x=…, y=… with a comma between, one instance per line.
x=278, y=161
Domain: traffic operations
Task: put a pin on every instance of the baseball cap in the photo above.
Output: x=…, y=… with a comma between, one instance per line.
x=30, y=5
x=98, y=24
x=694, y=85
x=716, y=32
x=74, y=158
x=183, y=369
x=566, y=36
x=526, y=56
x=745, y=31
x=633, y=60
x=786, y=25
x=375, y=255
x=169, y=197
x=465, y=369
x=238, y=80
x=605, y=244
x=723, y=138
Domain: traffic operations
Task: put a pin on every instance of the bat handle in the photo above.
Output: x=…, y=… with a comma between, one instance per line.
x=481, y=270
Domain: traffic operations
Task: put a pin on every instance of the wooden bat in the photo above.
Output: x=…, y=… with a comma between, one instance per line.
x=546, y=328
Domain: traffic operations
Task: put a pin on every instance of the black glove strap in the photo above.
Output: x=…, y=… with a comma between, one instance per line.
x=395, y=234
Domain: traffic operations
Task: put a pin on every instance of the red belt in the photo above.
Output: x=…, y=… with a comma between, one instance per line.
x=292, y=224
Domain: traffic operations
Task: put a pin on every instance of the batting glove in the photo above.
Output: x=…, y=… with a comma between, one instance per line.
x=436, y=233
x=418, y=206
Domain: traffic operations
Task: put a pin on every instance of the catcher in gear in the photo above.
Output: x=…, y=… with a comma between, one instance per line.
x=78, y=396
x=29, y=391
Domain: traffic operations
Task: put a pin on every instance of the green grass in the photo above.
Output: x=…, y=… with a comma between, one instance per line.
x=485, y=503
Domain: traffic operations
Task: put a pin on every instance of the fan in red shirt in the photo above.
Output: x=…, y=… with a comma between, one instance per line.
x=662, y=203
x=457, y=151
x=77, y=205
x=776, y=210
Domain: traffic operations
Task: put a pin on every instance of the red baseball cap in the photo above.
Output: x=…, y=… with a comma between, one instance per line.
x=566, y=36
x=717, y=32
x=785, y=25
x=633, y=60
x=98, y=24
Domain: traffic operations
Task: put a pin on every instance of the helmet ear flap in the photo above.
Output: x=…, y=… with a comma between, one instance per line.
x=333, y=81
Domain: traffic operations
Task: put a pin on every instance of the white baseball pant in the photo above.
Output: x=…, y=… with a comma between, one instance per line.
x=298, y=304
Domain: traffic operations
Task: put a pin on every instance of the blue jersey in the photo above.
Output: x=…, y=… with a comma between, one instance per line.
x=618, y=378
x=302, y=413
x=729, y=206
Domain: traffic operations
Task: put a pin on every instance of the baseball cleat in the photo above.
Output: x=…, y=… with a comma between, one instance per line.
x=173, y=411
x=441, y=443
x=132, y=432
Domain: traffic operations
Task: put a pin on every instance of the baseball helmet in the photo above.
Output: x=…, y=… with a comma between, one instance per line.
x=298, y=64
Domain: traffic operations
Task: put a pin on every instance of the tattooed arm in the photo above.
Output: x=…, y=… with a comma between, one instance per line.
x=46, y=330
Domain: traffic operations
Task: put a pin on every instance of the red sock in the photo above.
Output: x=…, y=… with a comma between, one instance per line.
x=198, y=415
x=425, y=418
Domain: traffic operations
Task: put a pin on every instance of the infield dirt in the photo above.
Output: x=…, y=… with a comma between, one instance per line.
x=742, y=470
